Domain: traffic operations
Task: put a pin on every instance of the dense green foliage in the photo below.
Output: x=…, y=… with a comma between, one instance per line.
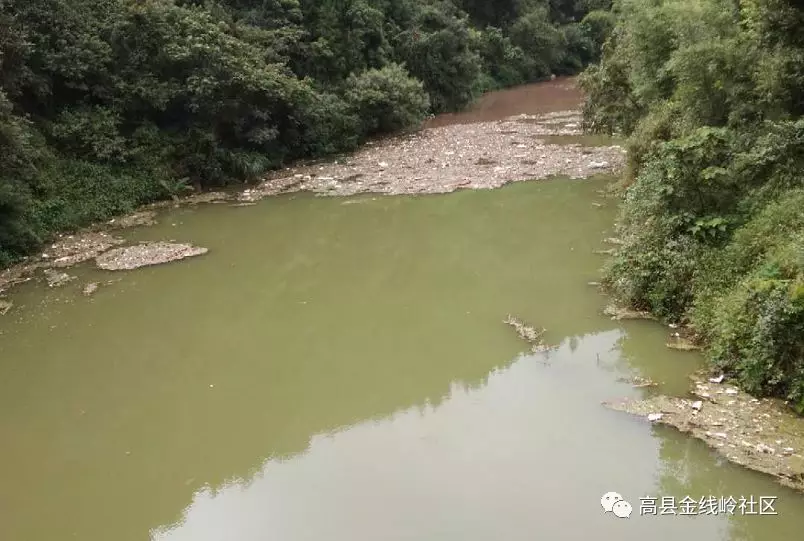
x=711, y=93
x=107, y=104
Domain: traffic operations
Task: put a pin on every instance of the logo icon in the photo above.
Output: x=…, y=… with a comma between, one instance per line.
x=614, y=503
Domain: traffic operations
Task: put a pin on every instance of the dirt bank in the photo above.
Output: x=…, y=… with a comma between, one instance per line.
x=760, y=434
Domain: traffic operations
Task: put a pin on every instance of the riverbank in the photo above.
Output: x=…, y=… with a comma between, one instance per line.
x=760, y=434
x=439, y=159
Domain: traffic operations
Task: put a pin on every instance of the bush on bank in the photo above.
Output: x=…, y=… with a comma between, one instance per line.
x=711, y=96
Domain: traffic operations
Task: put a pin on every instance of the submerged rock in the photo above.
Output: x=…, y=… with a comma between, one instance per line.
x=682, y=344
x=5, y=306
x=638, y=382
x=90, y=288
x=145, y=254
x=57, y=279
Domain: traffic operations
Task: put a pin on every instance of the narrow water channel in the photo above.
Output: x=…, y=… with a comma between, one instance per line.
x=338, y=370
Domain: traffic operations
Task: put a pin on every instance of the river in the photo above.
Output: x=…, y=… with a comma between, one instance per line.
x=337, y=369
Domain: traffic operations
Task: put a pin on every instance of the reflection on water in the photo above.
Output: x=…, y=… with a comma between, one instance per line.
x=526, y=453
x=341, y=372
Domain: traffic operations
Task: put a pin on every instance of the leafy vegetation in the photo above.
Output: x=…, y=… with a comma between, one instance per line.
x=108, y=104
x=710, y=94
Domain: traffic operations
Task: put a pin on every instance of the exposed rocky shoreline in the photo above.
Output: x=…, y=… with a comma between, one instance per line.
x=442, y=159
x=760, y=434
x=482, y=155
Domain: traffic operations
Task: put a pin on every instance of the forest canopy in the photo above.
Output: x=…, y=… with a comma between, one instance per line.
x=109, y=104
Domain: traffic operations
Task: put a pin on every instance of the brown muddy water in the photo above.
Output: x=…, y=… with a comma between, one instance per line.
x=337, y=369
x=561, y=94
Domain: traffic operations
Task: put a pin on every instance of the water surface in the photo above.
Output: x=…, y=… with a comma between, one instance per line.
x=338, y=370
x=561, y=94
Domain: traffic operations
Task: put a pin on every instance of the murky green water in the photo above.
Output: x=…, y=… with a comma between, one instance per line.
x=337, y=370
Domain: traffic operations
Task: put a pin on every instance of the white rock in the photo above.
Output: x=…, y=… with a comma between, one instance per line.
x=655, y=416
x=598, y=165
x=697, y=405
x=762, y=448
x=717, y=379
x=731, y=391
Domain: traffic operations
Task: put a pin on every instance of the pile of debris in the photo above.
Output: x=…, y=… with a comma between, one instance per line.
x=145, y=254
x=443, y=159
x=142, y=218
x=760, y=434
x=528, y=333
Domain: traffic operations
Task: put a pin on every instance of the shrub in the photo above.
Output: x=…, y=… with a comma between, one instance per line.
x=597, y=25
x=503, y=62
x=387, y=99
x=542, y=43
x=756, y=324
